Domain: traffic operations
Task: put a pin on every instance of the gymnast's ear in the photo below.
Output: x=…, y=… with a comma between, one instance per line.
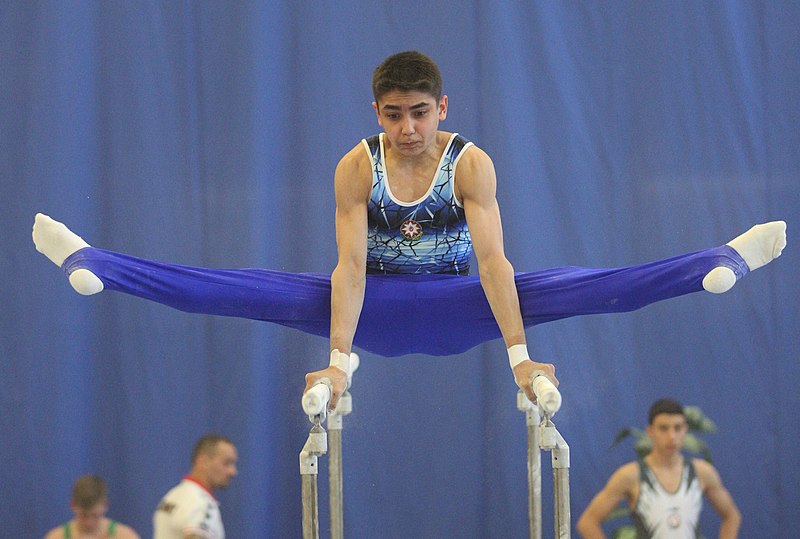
x=377, y=112
x=443, y=108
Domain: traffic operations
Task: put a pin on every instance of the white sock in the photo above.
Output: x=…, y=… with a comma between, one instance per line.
x=758, y=246
x=55, y=241
x=761, y=244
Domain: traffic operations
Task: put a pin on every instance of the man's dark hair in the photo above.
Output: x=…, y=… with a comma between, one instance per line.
x=407, y=71
x=88, y=491
x=664, y=406
x=207, y=444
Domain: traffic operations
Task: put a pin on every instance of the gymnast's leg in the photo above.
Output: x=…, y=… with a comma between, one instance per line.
x=299, y=300
x=757, y=247
x=564, y=292
x=302, y=301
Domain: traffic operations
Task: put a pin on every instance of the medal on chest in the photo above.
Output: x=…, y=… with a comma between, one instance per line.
x=674, y=519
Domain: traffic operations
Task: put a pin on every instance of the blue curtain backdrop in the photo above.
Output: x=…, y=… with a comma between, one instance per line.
x=206, y=133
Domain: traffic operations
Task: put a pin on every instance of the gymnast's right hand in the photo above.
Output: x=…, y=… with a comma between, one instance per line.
x=523, y=376
x=338, y=379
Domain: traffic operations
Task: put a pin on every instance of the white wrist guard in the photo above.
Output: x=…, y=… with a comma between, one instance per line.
x=341, y=361
x=517, y=354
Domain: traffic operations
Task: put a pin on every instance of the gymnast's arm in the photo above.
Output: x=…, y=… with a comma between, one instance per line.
x=351, y=185
x=476, y=185
x=722, y=501
x=623, y=484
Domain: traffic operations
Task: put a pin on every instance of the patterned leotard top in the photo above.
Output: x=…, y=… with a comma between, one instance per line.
x=660, y=514
x=428, y=235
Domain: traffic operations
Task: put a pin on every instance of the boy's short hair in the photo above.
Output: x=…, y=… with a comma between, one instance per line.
x=407, y=71
x=207, y=444
x=664, y=406
x=88, y=491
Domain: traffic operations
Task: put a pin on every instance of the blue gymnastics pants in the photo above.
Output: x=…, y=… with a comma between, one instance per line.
x=403, y=314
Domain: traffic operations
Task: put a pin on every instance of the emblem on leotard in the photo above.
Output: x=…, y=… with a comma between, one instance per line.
x=674, y=519
x=411, y=229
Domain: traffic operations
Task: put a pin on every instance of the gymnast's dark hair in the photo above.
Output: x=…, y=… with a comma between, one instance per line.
x=408, y=71
x=664, y=406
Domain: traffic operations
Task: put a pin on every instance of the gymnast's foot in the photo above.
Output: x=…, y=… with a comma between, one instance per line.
x=758, y=246
x=55, y=241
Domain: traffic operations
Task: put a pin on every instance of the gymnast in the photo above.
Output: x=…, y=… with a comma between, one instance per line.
x=404, y=241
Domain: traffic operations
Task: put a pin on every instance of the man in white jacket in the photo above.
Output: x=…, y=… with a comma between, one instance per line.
x=190, y=510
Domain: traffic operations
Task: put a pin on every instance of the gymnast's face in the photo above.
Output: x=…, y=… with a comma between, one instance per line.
x=668, y=431
x=410, y=120
x=88, y=519
x=220, y=465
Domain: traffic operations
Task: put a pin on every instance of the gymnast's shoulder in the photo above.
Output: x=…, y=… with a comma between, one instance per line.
x=625, y=478
x=475, y=170
x=354, y=173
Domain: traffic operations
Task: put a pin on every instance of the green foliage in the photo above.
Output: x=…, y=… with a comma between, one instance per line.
x=624, y=532
x=698, y=424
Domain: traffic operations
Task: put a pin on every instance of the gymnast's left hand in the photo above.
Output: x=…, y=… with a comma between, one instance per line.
x=338, y=380
x=523, y=372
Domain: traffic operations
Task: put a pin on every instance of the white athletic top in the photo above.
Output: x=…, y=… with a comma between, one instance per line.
x=660, y=514
x=188, y=507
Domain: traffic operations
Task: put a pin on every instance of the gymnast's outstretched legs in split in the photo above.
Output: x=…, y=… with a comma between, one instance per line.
x=302, y=300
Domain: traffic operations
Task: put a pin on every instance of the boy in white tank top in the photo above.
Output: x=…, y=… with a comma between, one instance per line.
x=664, y=490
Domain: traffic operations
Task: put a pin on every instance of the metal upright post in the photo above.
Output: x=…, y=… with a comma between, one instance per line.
x=542, y=434
x=316, y=445
x=553, y=441
x=315, y=405
x=335, y=469
x=343, y=407
x=561, y=492
x=534, y=465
